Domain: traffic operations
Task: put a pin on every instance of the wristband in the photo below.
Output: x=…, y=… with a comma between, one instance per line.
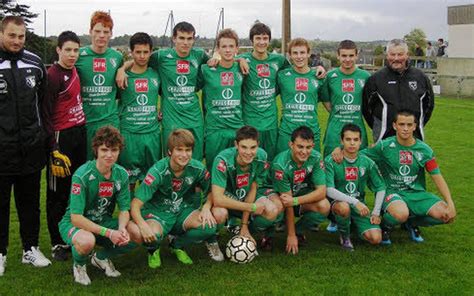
x=254, y=208
x=109, y=234
x=295, y=201
x=103, y=231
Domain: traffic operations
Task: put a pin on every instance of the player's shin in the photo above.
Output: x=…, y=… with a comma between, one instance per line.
x=78, y=258
x=343, y=224
x=424, y=221
x=309, y=219
x=388, y=221
x=194, y=235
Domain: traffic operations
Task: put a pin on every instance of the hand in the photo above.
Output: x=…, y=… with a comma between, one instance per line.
x=60, y=164
x=206, y=218
x=121, y=78
x=337, y=155
x=450, y=215
x=213, y=62
x=159, y=116
x=362, y=208
x=125, y=237
x=244, y=231
x=148, y=235
x=244, y=66
x=260, y=208
x=286, y=200
x=374, y=219
x=320, y=72
x=292, y=244
x=116, y=237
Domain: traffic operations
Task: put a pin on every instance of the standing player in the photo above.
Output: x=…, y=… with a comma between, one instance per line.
x=138, y=112
x=97, y=66
x=222, y=95
x=237, y=174
x=68, y=147
x=300, y=92
x=164, y=203
x=346, y=182
x=403, y=160
x=97, y=186
x=298, y=176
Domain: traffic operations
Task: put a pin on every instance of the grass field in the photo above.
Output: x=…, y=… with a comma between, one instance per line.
x=442, y=265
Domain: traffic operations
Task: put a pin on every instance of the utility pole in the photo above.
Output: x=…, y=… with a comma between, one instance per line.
x=286, y=25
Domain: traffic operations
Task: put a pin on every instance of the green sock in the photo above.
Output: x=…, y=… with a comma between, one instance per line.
x=260, y=224
x=389, y=221
x=113, y=251
x=78, y=258
x=194, y=235
x=343, y=224
x=424, y=221
x=308, y=220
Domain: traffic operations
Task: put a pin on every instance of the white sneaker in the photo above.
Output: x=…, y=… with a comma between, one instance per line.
x=80, y=275
x=214, y=251
x=35, y=257
x=106, y=265
x=3, y=263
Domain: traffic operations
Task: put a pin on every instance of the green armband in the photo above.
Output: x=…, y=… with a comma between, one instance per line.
x=254, y=208
x=103, y=231
x=295, y=201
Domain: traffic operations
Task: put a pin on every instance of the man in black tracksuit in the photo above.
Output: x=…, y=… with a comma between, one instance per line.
x=22, y=139
x=395, y=87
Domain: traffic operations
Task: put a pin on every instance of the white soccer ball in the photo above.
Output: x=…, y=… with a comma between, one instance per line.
x=240, y=249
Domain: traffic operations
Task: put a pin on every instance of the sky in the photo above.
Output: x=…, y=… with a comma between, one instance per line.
x=360, y=20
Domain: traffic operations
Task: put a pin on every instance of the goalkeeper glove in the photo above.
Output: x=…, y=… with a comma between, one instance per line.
x=60, y=164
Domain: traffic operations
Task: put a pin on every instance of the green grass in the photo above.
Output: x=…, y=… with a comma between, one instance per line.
x=443, y=265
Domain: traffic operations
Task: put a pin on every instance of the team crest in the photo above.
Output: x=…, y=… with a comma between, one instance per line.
x=118, y=185
x=154, y=81
x=413, y=85
x=361, y=82
x=113, y=61
x=31, y=81
x=362, y=171
x=189, y=180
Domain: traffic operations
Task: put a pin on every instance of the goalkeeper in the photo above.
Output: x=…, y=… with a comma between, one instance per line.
x=68, y=146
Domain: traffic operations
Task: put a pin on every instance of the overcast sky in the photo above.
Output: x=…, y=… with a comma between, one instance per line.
x=361, y=20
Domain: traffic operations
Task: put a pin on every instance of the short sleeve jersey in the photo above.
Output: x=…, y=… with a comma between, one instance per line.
x=259, y=90
x=161, y=190
x=226, y=173
x=299, y=96
x=98, y=88
x=222, y=97
x=179, y=84
x=352, y=177
x=139, y=102
x=94, y=196
x=300, y=180
x=403, y=167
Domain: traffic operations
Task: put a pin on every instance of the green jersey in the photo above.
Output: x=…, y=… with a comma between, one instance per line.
x=344, y=92
x=98, y=88
x=299, y=96
x=94, y=196
x=161, y=190
x=226, y=173
x=259, y=91
x=352, y=176
x=139, y=102
x=403, y=167
x=222, y=97
x=179, y=84
x=300, y=180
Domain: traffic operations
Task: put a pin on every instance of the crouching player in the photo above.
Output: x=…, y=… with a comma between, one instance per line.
x=237, y=173
x=299, y=178
x=346, y=182
x=97, y=186
x=165, y=202
x=402, y=160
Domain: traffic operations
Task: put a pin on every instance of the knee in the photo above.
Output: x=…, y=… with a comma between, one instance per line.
x=85, y=243
x=271, y=212
x=324, y=207
x=220, y=214
x=134, y=232
x=400, y=213
x=342, y=209
x=373, y=237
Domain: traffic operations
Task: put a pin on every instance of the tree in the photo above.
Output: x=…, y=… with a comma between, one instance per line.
x=8, y=7
x=416, y=36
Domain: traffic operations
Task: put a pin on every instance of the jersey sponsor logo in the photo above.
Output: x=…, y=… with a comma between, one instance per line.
x=321, y=164
x=300, y=98
x=71, y=230
x=149, y=179
x=99, y=65
x=227, y=79
x=227, y=93
x=263, y=70
x=141, y=85
x=207, y=175
x=352, y=173
x=389, y=197
x=243, y=180
x=301, y=84
x=181, y=80
x=299, y=176
x=413, y=85
x=106, y=189
x=177, y=184
x=406, y=157
x=351, y=188
x=142, y=100
x=266, y=166
x=431, y=165
x=279, y=175
x=348, y=85
x=221, y=166
x=182, y=67
x=404, y=170
x=264, y=83
x=348, y=99
x=76, y=188
x=98, y=79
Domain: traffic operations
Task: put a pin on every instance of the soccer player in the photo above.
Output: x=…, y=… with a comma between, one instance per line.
x=237, y=174
x=164, y=203
x=138, y=114
x=300, y=92
x=97, y=186
x=402, y=160
x=68, y=145
x=299, y=178
x=346, y=182
x=96, y=67
x=222, y=95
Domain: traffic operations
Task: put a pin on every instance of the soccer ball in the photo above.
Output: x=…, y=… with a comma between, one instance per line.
x=240, y=249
